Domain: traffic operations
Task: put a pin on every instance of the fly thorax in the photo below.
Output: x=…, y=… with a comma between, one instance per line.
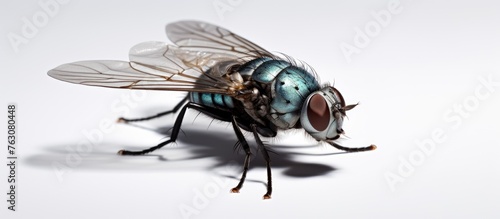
x=263, y=106
x=254, y=103
x=283, y=88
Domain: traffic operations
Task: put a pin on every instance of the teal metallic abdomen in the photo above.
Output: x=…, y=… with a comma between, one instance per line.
x=218, y=101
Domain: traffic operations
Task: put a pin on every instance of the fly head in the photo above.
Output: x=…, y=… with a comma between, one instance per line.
x=323, y=113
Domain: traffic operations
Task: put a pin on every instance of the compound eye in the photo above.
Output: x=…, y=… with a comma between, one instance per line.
x=338, y=97
x=318, y=112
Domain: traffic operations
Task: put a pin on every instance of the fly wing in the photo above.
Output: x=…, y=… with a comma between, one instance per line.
x=201, y=36
x=152, y=66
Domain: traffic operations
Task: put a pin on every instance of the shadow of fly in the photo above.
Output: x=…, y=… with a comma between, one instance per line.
x=227, y=78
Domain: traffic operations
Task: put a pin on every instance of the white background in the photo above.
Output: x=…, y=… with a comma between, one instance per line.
x=409, y=79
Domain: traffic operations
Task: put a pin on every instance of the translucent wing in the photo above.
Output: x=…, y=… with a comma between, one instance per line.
x=200, y=36
x=153, y=66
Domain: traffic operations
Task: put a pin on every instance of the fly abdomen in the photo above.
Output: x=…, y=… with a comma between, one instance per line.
x=218, y=101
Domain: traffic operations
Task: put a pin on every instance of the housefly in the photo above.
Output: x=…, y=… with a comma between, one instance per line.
x=227, y=78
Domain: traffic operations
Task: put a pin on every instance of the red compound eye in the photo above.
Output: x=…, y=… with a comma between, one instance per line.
x=318, y=112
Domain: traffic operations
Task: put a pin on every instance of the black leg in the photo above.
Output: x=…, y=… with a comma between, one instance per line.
x=175, y=109
x=265, y=154
x=173, y=136
x=219, y=114
x=340, y=147
x=246, y=147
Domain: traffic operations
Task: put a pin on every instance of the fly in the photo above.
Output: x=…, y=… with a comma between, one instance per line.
x=227, y=78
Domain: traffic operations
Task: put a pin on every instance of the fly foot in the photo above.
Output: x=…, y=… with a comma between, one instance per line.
x=121, y=120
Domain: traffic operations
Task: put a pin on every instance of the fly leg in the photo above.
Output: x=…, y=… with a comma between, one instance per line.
x=222, y=115
x=265, y=154
x=175, y=109
x=346, y=149
x=248, y=153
